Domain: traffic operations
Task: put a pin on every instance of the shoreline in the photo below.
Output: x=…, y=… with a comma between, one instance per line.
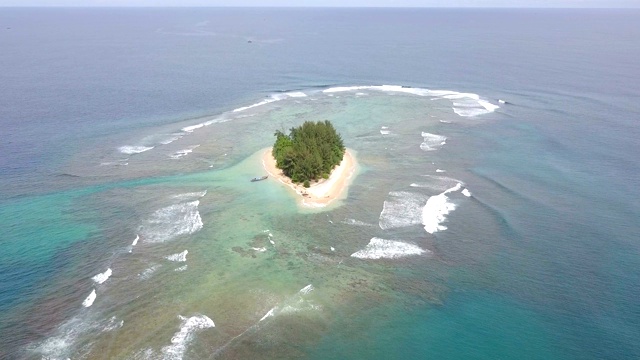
x=320, y=193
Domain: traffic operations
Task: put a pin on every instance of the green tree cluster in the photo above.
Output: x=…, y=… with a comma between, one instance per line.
x=309, y=152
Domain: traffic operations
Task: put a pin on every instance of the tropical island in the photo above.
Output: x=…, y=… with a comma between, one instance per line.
x=313, y=161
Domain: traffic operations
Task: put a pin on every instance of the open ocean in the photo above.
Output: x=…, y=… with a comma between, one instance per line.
x=495, y=213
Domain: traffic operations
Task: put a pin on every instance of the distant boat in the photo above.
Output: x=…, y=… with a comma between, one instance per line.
x=259, y=178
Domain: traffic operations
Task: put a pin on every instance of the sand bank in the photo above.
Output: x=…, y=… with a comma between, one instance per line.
x=320, y=193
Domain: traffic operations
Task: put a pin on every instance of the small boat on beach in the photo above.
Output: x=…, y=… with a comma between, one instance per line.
x=259, y=178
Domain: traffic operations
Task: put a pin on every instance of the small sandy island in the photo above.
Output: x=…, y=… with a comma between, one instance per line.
x=320, y=193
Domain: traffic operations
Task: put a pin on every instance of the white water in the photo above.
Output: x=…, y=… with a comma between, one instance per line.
x=387, y=249
x=90, y=299
x=172, y=221
x=432, y=141
x=102, y=277
x=436, y=210
x=464, y=104
x=179, y=257
x=401, y=209
x=130, y=150
x=181, y=153
x=182, y=338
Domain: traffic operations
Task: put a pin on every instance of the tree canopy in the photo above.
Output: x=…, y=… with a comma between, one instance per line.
x=309, y=152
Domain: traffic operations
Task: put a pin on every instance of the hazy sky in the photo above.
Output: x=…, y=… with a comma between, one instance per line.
x=332, y=3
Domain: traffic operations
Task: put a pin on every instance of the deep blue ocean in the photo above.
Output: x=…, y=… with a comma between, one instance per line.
x=541, y=262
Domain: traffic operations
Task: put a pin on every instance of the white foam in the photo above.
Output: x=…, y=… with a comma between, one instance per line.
x=102, y=277
x=344, y=88
x=90, y=299
x=262, y=249
x=272, y=98
x=172, y=221
x=171, y=138
x=191, y=128
x=60, y=345
x=472, y=106
x=440, y=170
x=296, y=94
x=307, y=289
x=146, y=274
x=384, y=132
x=190, y=195
x=113, y=324
x=383, y=88
x=181, y=268
x=401, y=209
x=355, y=222
x=272, y=242
x=466, y=192
x=268, y=314
x=432, y=141
x=387, y=249
x=130, y=150
x=488, y=106
x=134, y=243
x=184, y=152
x=437, y=208
x=184, y=336
x=65, y=341
x=263, y=102
x=465, y=104
x=179, y=257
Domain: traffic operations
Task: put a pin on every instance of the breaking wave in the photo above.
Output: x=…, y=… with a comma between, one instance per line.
x=130, y=150
x=432, y=141
x=191, y=128
x=181, y=339
x=184, y=152
x=172, y=221
x=402, y=209
x=90, y=299
x=190, y=196
x=437, y=208
x=356, y=222
x=272, y=98
x=102, y=277
x=146, y=274
x=387, y=249
x=179, y=257
x=464, y=104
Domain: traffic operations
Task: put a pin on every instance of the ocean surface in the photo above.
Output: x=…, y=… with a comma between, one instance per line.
x=494, y=213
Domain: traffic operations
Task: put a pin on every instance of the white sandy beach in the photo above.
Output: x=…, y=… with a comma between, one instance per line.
x=320, y=193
